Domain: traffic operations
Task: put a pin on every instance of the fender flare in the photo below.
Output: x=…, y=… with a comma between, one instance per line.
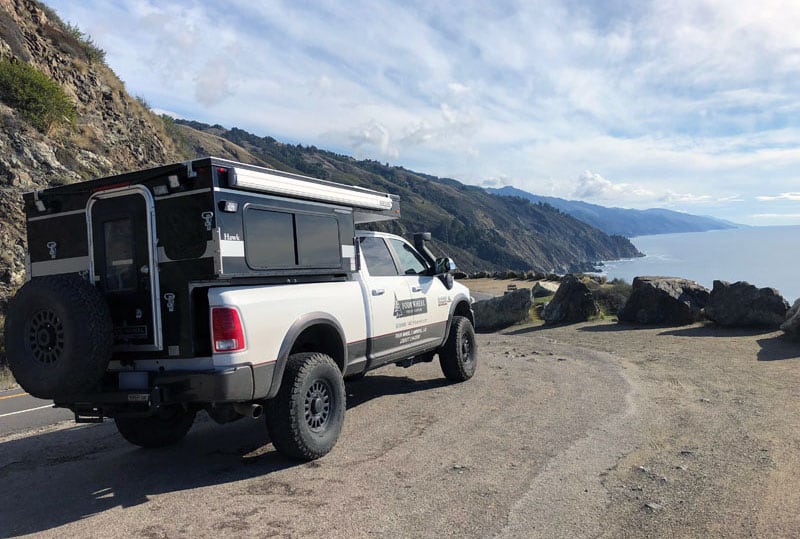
x=461, y=298
x=295, y=330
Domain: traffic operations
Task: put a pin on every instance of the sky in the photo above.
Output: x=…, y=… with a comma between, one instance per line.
x=691, y=105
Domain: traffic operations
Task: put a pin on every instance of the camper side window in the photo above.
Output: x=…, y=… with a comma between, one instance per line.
x=269, y=239
x=317, y=241
x=275, y=240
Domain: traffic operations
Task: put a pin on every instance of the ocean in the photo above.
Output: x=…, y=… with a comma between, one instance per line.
x=762, y=256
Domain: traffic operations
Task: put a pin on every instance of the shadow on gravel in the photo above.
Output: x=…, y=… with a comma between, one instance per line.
x=61, y=477
x=526, y=330
x=376, y=386
x=778, y=348
x=593, y=328
x=617, y=326
x=717, y=331
x=56, y=478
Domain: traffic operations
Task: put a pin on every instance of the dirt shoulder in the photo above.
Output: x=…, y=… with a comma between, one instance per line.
x=719, y=430
x=591, y=430
x=495, y=287
x=712, y=429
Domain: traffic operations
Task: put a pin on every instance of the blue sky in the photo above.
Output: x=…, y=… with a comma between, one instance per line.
x=690, y=105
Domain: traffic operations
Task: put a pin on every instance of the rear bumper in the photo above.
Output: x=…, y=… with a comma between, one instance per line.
x=237, y=384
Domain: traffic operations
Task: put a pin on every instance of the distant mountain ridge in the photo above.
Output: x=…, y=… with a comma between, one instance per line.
x=479, y=230
x=621, y=221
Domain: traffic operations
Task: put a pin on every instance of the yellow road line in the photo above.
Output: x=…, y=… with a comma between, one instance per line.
x=13, y=396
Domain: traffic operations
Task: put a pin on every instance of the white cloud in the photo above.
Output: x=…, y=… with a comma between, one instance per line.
x=776, y=215
x=495, y=182
x=782, y=196
x=456, y=88
x=371, y=137
x=593, y=186
x=690, y=101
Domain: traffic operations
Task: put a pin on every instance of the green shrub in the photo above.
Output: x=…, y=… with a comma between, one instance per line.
x=143, y=102
x=70, y=39
x=612, y=296
x=37, y=97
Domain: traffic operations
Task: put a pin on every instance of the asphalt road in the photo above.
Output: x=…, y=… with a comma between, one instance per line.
x=19, y=412
x=512, y=452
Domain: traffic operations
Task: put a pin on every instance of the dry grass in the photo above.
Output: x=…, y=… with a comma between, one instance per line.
x=6, y=378
x=494, y=286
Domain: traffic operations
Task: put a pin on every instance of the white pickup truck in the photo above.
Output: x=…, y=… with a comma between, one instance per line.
x=218, y=286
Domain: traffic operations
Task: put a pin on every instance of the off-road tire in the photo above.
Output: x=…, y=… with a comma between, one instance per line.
x=167, y=427
x=306, y=416
x=58, y=336
x=459, y=355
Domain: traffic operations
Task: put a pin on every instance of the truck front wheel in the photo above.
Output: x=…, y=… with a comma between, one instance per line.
x=167, y=427
x=306, y=416
x=459, y=355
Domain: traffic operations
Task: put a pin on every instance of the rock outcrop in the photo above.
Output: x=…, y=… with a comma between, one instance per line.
x=791, y=326
x=542, y=289
x=742, y=305
x=573, y=302
x=669, y=301
x=497, y=313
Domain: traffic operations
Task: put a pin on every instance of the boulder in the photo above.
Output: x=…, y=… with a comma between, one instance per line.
x=669, y=301
x=543, y=289
x=572, y=303
x=497, y=313
x=791, y=326
x=742, y=304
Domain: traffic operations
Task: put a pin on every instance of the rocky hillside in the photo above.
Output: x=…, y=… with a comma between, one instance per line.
x=101, y=130
x=111, y=131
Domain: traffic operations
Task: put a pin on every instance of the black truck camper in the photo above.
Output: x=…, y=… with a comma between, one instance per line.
x=153, y=241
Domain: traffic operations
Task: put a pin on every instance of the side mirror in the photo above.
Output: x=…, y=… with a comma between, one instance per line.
x=444, y=265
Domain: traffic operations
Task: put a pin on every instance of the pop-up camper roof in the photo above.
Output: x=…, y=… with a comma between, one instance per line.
x=368, y=205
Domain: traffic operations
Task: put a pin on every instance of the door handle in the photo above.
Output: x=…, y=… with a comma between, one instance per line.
x=416, y=289
x=378, y=291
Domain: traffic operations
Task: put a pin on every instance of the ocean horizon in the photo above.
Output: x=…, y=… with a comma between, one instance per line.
x=764, y=256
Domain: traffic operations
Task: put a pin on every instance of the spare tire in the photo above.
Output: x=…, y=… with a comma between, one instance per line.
x=58, y=336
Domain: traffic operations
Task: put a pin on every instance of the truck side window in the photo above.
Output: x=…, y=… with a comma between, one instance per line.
x=376, y=254
x=411, y=263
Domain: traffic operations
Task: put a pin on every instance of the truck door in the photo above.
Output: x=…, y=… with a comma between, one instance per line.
x=430, y=296
x=389, y=296
x=123, y=265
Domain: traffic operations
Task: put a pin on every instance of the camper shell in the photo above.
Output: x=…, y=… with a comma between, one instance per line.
x=154, y=241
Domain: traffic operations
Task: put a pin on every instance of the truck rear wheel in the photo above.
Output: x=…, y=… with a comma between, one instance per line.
x=58, y=336
x=306, y=416
x=459, y=355
x=167, y=427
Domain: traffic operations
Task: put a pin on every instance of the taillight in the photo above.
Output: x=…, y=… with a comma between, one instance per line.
x=227, y=331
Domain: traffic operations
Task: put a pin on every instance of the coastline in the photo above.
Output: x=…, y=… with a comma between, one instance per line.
x=758, y=255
